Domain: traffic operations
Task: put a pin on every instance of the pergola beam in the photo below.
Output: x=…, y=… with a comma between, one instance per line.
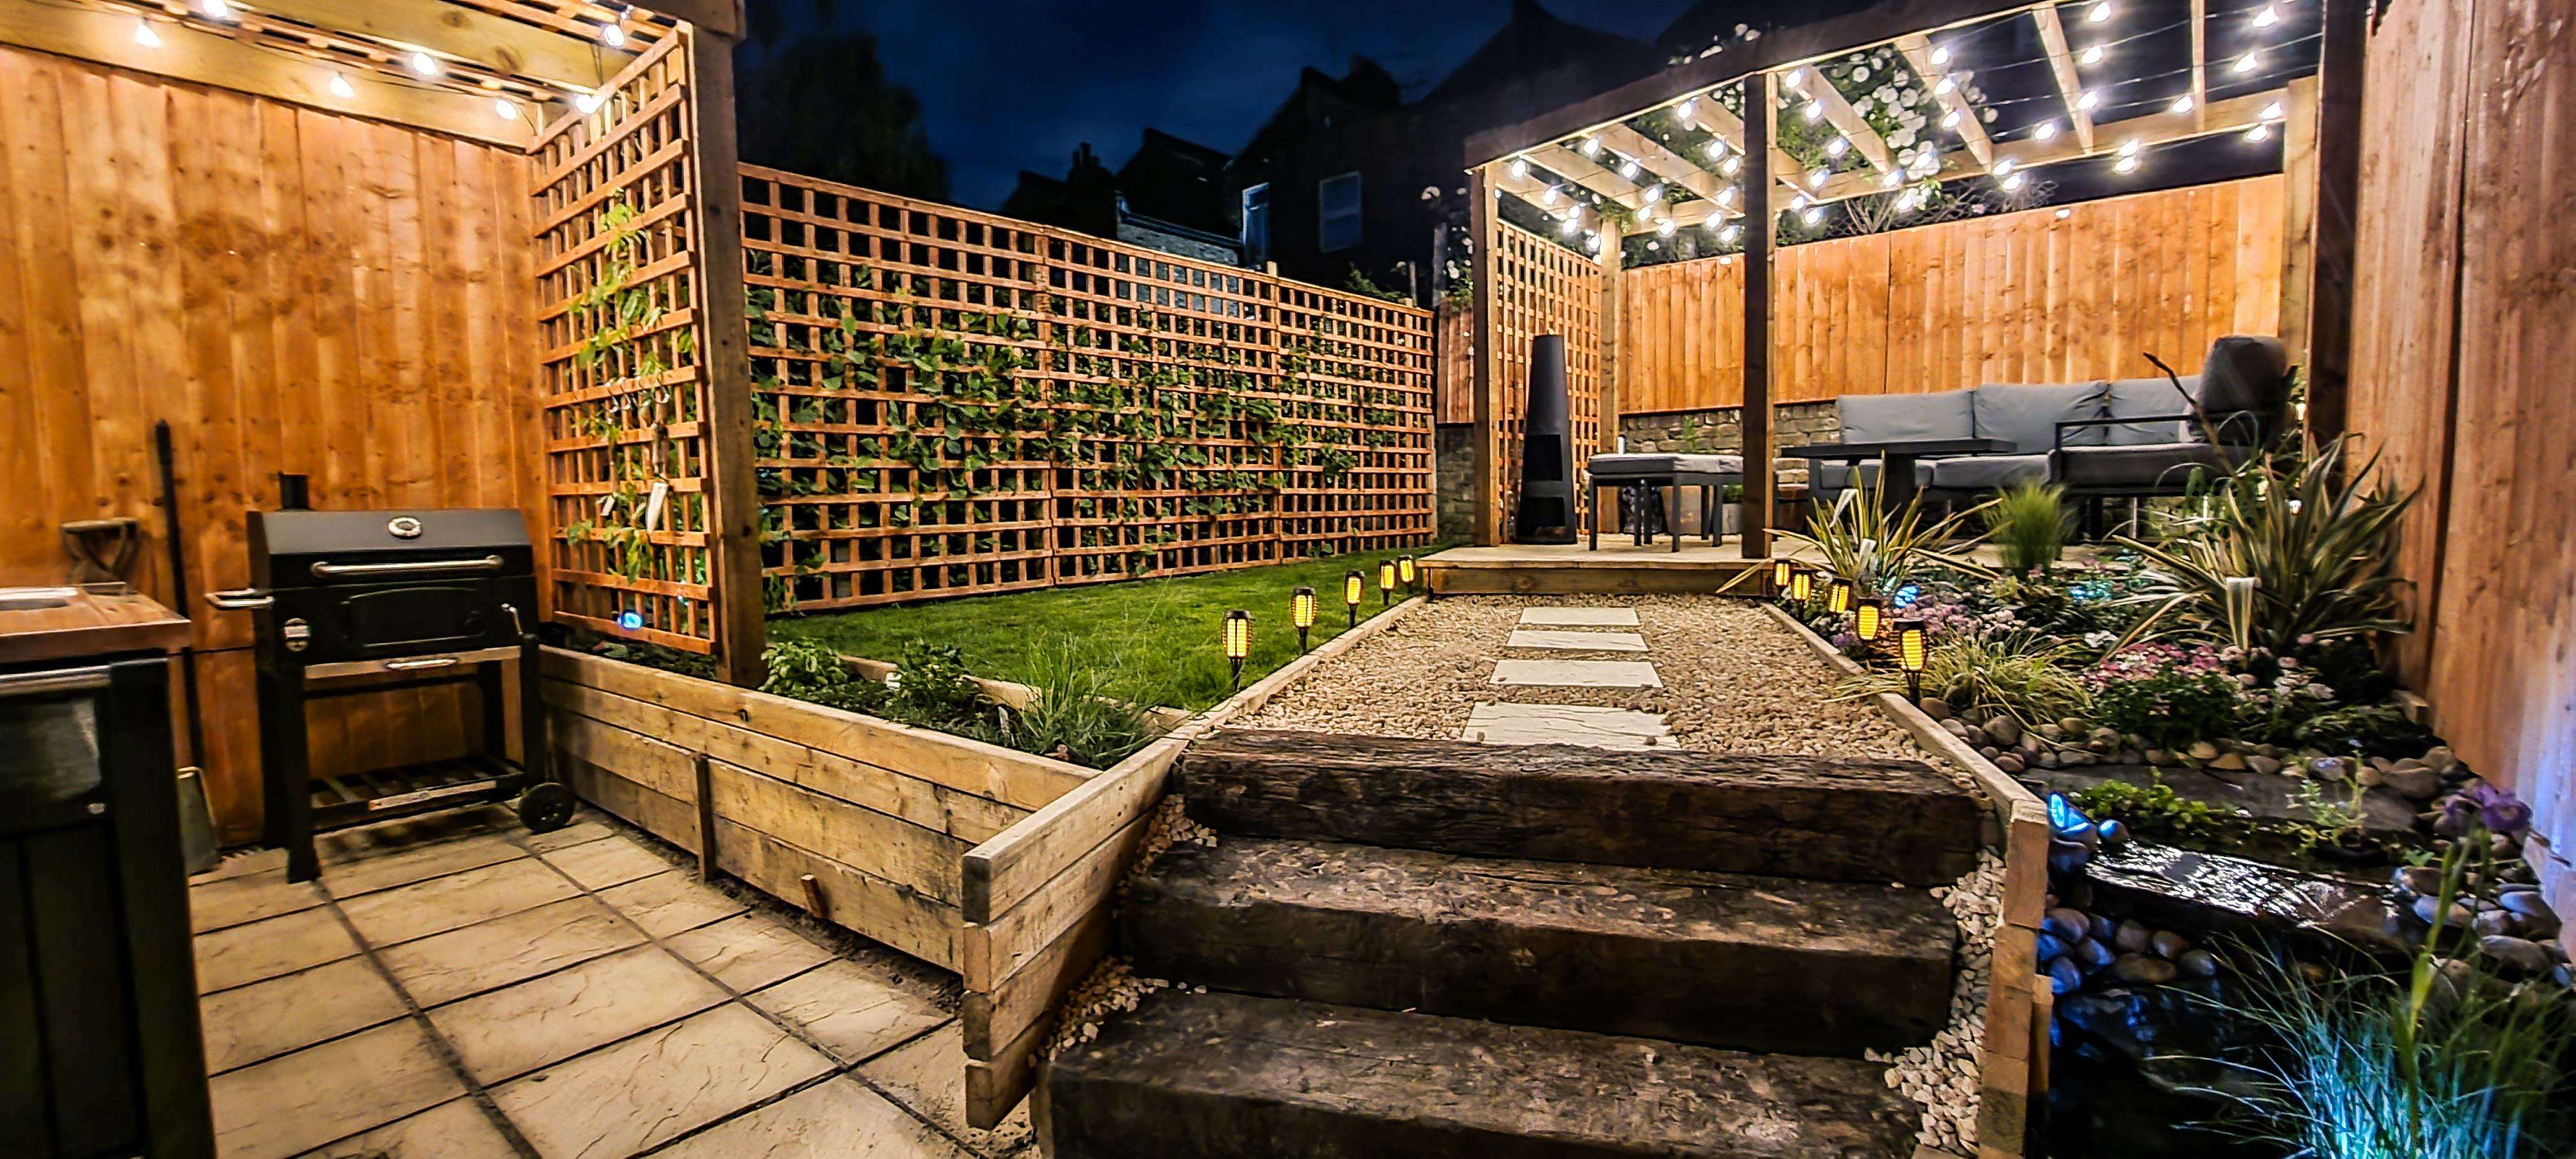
x=2061, y=65
x=1716, y=120
x=2162, y=127
x=1917, y=50
x=505, y=46
x=1847, y=120
x=1652, y=157
x=1584, y=171
x=2200, y=58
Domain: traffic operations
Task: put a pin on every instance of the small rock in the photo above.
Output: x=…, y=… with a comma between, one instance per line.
x=2063, y=978
x=2142, y=970
x=1954, y=728
x=2132, y=757
x=2371, y=776
x=2538, y=920
x=2267, y=766
x=2093, y=955
x=2460, y=915
x=1990, y=752
x=2168, y=945
x=2327, y=768
x=2158, y=757
x=2070, y=925
x=2052, y=732
x=2202, y=750
x=2418, y=783
x=2078, y=757
x=2103, y=928
x=2407, y=764
x=2071, y=726
x=2556, y=948
x=2527, y=957
x=2271, y=751
x=2197, y=964
x=2383, y=764
x=2029, y=744
x=2131, y=938
x=2009, y=763
x=2004, y=729
x=2114, y=832
x=2228, y=761
x=2101, y=747
x=2439, y=758
x=2496, y=922
x=1936, y=708
x=2048, y=760
x=2047, y=947
x=1976, y=737
x=2418, y=879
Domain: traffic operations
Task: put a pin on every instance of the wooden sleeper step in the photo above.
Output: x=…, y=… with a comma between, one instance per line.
x=1750, y=963
x=1843, y=819
x=1230, y=1076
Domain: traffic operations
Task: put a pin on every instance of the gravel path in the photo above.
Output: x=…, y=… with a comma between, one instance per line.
x=1734, y=682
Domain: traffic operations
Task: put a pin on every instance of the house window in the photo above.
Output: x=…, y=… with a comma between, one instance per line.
x=1256, y=224
x=1337, y=201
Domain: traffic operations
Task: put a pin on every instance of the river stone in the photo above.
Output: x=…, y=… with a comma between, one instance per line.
x=1976, y=737
x=2009, y=763
x=2439, y=758
x=2047, y=947
x=2327, y=768
x=2371, y=776
x=2525, y=956
x=2132, y=757
x=2197, y=964
x=2092, y=955
x=2418, y=879
x=2263, y=764
x=2557, y=949
x=2202, y=750
x=2525, y=901
x=2229, y=761
x=2168, y=944
x=2004, y=729
x=2070, y=726
x=2496, y=922
x=2142, y=970
x=2103, y=928
x=2064, y=976
x=2069, y=925
x=2048, y=760
x=1954, y=728
x=2418, y=783
x=1936, y=708
x=2131, y=937
x=2158, y=757
x=2078, y=757
x=2052, y=732
x=2460, y=915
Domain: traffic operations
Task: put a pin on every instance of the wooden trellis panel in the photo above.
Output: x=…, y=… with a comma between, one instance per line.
x=955, y=403
x=1541, y=287
x=624, y=396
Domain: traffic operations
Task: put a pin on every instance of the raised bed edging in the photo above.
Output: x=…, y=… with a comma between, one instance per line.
x=2014, y=1067
x=1037, y=896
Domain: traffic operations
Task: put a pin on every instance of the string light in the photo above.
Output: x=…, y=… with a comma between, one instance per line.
x=1687, y=108
x=1592, y=241
x=1592, y=146
x=1941, y=54
x=1891, y=179
x=1730, y=233
x=1572, y=225
x=144, y=35
x=2014, y=182
x=2267, y=17
x=2272, y=112
x=2258, y=133
x=2100, y=13
x=1716, y=148
x=422, y=63
x=1798, y=202
x=1628, y=169
x=1815, y=215
x=2046, y=130
x=1950, y=120
x=2005, y=166
x=2248, y=63
x=2092, y=55
x=2129, y=148
x=1797, y=78
x=1549, y=197
x=1733, y=166
x=1946, y=87
x=340, y=87
x=1726, y=196
x=612, y=35
x=1520, y=166
x=2126, y=165
x=2088, y=100
x=1816, y=178
x=503, y=108
x=1815, y=110
x=1654, y=193
x=1837, y=147
x=1665, y=227
x=2182, y=104
x=216, y=9
x=2063, y=214
x=587, y=102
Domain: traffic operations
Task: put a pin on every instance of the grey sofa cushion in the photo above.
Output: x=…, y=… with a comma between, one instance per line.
x=2028, y=415
x=1989, y=472
x=1871, y=418
x=1837, y=476
x=2140, y=398
x=2169, y=464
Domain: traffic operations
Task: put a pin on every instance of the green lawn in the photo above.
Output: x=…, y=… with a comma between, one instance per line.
x=1161, y=637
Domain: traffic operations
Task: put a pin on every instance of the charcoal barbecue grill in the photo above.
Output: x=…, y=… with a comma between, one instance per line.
x=403, y=599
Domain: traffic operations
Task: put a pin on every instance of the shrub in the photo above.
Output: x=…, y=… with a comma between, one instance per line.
x=2029, y=522
x=1878, y=549
x=1080, y=708
x=2168, y=695
x=2016, y=674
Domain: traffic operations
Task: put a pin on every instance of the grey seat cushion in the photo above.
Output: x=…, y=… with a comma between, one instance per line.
x=1619, y=465
x=1837, y=476
x=2168, y=465
x=2141, y=398
x=1989, y=472
x=1870, y=418
x=2027, y=415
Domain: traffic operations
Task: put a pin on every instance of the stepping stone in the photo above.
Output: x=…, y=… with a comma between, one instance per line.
x=1601, y=728
x=1577, y=641
x=1581, y=617
x=1577, y=673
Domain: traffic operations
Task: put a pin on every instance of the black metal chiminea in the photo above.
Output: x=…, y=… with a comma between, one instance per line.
x=1546, y=510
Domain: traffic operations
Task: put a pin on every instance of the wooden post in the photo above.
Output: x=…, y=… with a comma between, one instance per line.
x=1609, y=408
x=1761, y=105
x=1489, y=410
x=2347, y=40
x=715, y=211
x=2298, y=213
x=706, y=808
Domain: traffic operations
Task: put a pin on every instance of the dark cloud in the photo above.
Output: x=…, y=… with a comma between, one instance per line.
x=1015, y=84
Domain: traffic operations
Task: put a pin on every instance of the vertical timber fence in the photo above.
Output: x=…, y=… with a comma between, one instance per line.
x=954, y=403
x=624, y=395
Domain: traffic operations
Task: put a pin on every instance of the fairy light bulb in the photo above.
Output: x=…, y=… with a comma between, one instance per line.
x=505, y=109
x=1797, y=78
x=1665, y=227
x=1815, y=110
x=1816, y=178
x=2092, y=55
x=1717, y=148
x=2100, y=13
x=1890, y=179
x=2248, y=62
x=2126, y=165
x=1837, y=147
x=587, y=102
x=1592, y=146
x=1548, y=197
x=1730, y=233
x=1941, y=54
x=2088, y=100
x=1947, y=86
x=1654, y=193
x=2272, y=112
x=215, y=9
x=2014, y=182
x=1815, y=216
x=2182, y=104
x=424, y=64
x=144, y=35
x=2046, y=130
x=2129, y=148
x=2268, y=17
x=612, y=35
x=1628, y=169
x=1733, y=166
x=1520, y=167
x=1686, y=108
x=2005, y=166
x=1797, y=203
x=2258, y=133
x=340, y=87
x=1950, y=120
x=1726, y=196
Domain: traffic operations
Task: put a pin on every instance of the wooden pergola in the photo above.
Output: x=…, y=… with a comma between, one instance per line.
x=1680, y=150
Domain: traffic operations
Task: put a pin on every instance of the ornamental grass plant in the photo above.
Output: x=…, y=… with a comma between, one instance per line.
x=2029, y=521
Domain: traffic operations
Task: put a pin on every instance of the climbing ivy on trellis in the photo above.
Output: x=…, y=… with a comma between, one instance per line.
x=628, y=345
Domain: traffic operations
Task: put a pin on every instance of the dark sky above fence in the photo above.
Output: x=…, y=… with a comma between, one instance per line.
x=1016, y=84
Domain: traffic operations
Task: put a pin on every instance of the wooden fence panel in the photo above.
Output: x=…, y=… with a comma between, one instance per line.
x=1456, y=377
x=619, y=329
x=1541, y=287
x=2017, y=297
x=958, y=403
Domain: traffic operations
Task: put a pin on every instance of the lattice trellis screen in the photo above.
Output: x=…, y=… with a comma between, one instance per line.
x=624, y=397
x=1541, y=287
x=953, y=403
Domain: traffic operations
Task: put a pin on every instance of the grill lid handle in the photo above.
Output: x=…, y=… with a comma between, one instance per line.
x=434, y=567
x=240, y=599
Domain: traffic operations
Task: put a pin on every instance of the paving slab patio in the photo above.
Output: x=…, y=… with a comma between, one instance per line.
x=462, y=989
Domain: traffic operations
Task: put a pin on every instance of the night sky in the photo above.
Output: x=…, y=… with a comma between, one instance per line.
x=1016, y=84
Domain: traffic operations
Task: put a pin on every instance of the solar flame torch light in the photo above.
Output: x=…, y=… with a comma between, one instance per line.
x=1386, y=583
x=1352, y=585
x=1238, y=643
x=1910, y=655
x=1301, y=612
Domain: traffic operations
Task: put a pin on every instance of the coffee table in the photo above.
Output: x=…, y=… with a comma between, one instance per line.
x=1896, y=460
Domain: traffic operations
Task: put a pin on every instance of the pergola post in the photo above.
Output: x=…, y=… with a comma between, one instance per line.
x=2338, y=168
x=1488, y=385
x=1761, y=105
x=1609, y=406
x=733, y=519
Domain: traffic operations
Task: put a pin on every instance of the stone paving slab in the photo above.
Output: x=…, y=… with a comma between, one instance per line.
x=460, y=963
x=231, y=901
x=929, y=1075
x=1603, y=728
x=265, y=949
x=1577, y=673
x=839, y=1119
x=291, y=1104
x=388, y=870
x=598, y=865
x=513, y=1031
x=578, y=833
x=456, y=1129
x=264, y=1019
x=657, y=1086
x=441, y=904
x=1576, y=641
x=851, y=1011
x=748, y=952
x=667, y=903
x=1581, y=617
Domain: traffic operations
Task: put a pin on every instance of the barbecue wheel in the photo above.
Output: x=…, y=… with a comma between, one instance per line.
x=545, y=807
